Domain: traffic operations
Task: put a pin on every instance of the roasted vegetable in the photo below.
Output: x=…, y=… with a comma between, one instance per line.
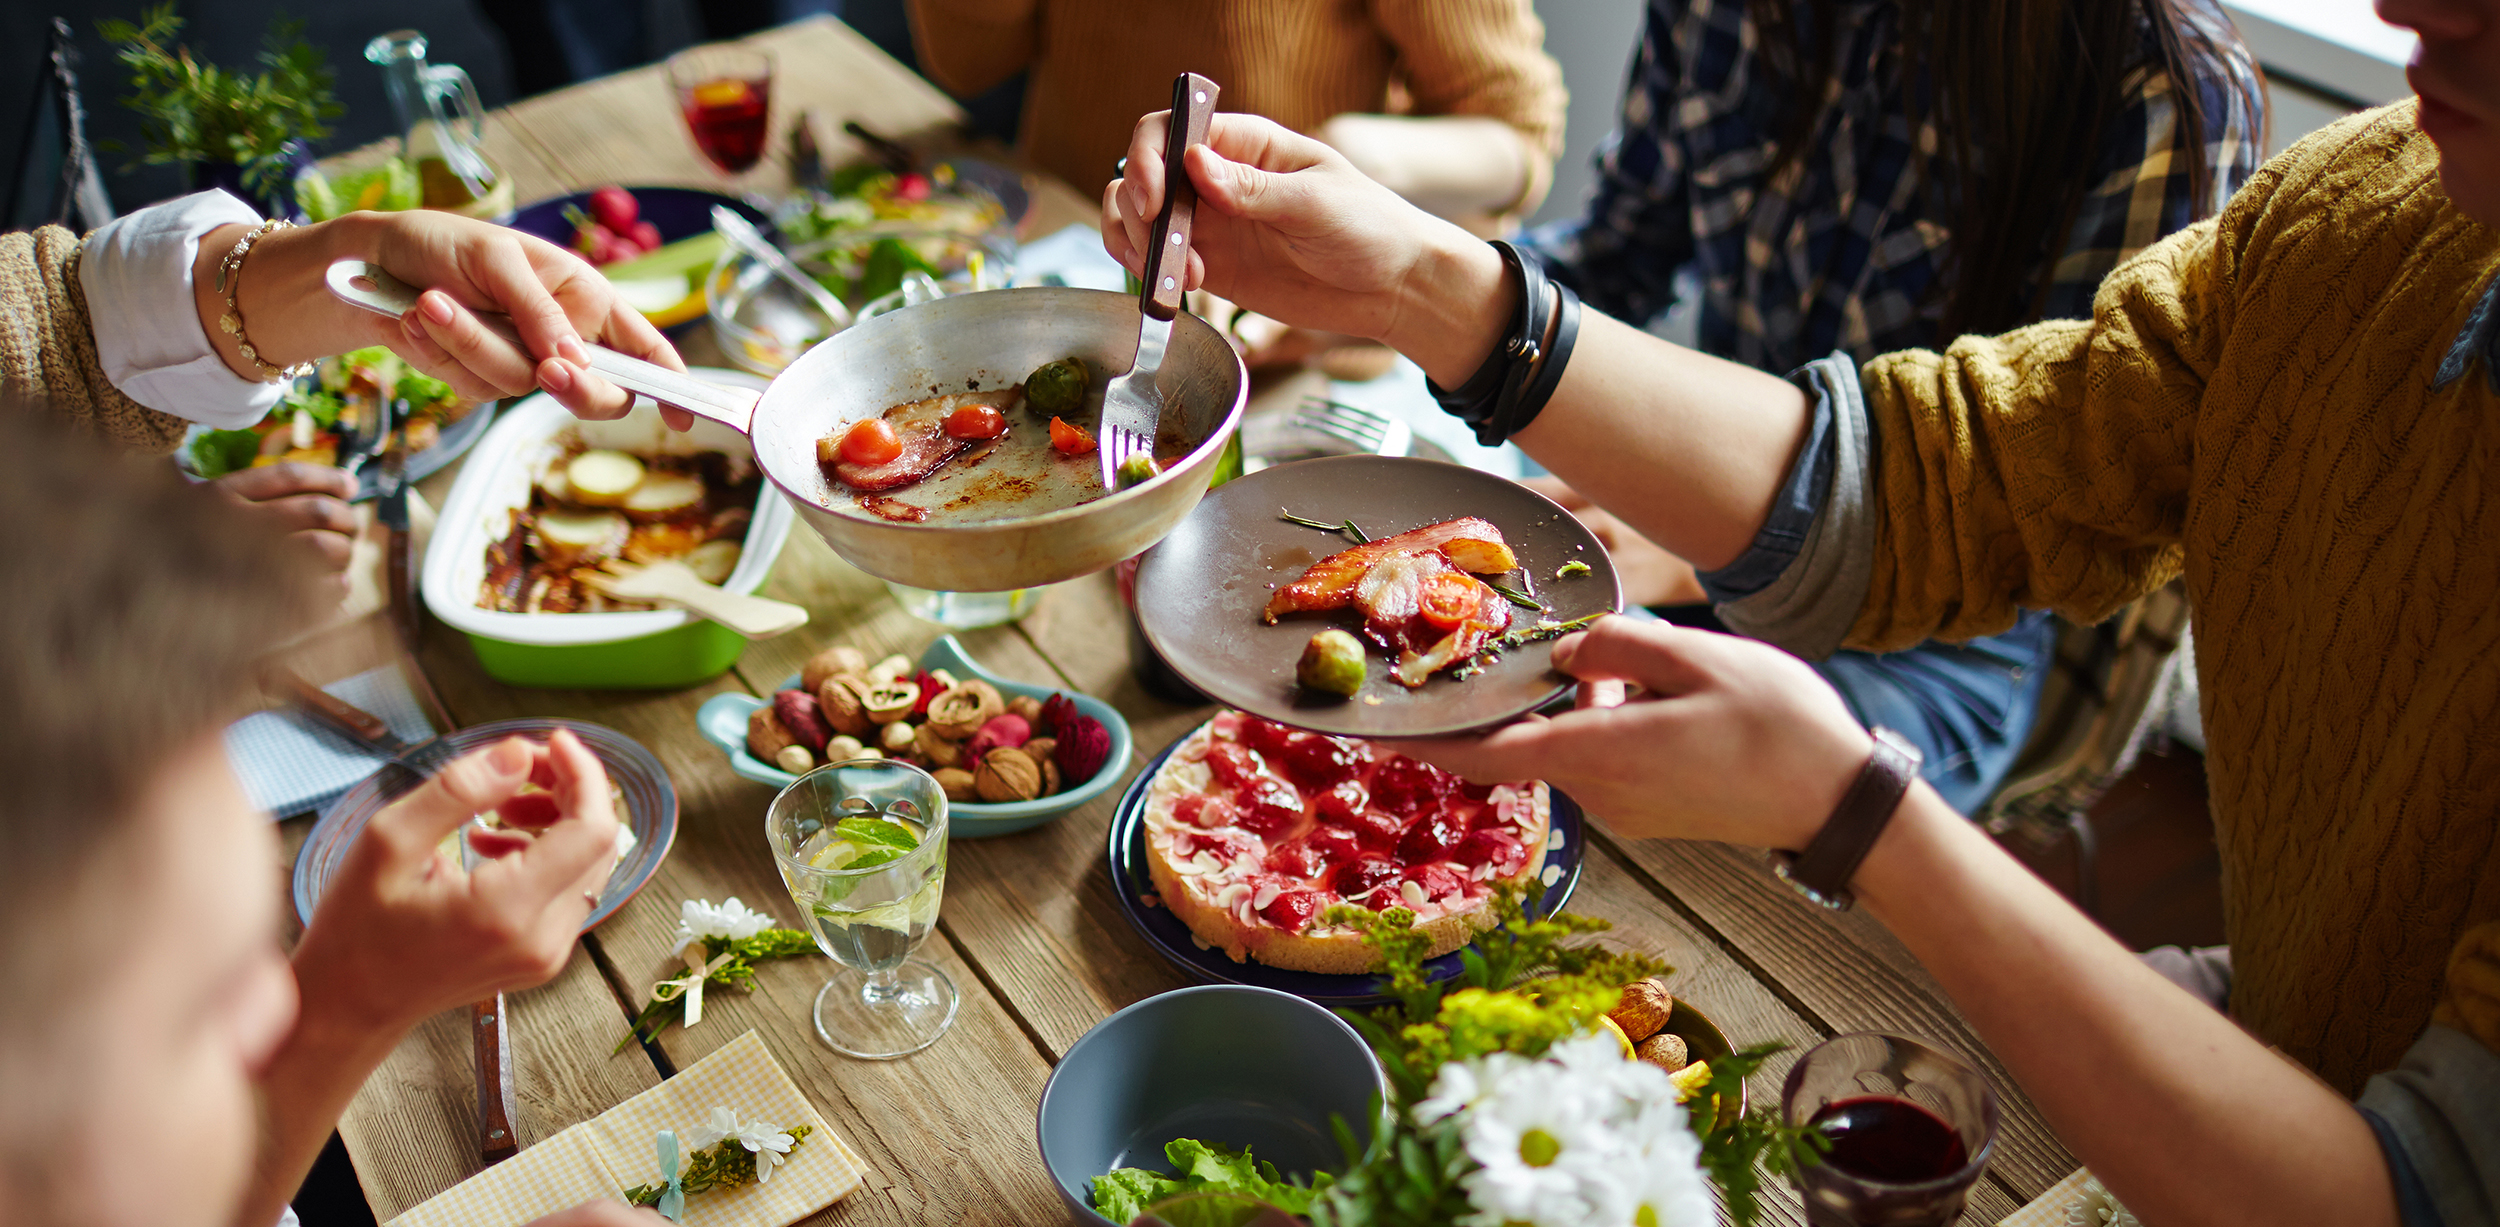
x=1333, y=662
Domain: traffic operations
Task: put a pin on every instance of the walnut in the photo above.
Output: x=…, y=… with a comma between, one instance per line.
x=1027, y=706
x=1008, y=775
x=843, y=701
x=1644, y=1009
x=957, y=782
x=1666, y=1050
x=888, y=702
x=962, y=710
x=1039, y=750
x=832, y=662
x=767, y=735
x=1050, y=776
x=937, y=750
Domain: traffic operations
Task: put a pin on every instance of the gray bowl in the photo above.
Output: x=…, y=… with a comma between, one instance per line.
x=1221, y=1063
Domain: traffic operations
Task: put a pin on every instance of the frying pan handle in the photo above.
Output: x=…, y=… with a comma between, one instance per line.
x=364, y=284
x=1167, y=265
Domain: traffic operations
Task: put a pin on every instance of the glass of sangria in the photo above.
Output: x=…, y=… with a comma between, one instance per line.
x=1911, y=1129
x=861, y=845
x=725, y=92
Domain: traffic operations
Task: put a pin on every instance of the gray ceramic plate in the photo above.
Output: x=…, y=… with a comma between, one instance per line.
x=1199, y=593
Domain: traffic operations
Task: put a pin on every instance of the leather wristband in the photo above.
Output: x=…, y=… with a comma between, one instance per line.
x=1520, y=375
x=1822, y=872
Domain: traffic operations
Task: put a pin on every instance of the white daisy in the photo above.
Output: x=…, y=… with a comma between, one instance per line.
x=700, y=918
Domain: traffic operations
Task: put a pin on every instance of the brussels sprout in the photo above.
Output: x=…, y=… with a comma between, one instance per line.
x=1057, y=389
x=1137, y=468
x=1333, y=662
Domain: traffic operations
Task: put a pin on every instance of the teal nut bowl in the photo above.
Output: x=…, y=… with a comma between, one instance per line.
x=1228, y=1064
x=723, y=722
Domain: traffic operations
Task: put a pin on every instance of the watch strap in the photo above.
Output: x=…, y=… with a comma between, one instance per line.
x=1823, y=870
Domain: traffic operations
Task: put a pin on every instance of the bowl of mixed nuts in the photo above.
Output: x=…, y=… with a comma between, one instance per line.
x=1010, y=756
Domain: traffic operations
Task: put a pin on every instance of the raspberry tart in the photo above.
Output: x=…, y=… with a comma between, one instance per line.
x=1253, y=829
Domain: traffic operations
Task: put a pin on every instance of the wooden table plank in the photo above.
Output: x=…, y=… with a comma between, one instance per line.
x=1842, y=979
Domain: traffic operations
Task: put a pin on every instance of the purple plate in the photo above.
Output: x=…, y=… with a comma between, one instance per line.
x=650, y=808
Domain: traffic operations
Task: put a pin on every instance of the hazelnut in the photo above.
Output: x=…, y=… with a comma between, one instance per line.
x=896, y=737
x=962, y=710
x=957, y=782
x=795, y=760
x=1040, y=749
x=842, y=700
x=766, y=734
x=889, y=669
x=1644, y=1009
x=1027, y=706
x=889, y=702
x=1666, y=1050
x=842, y=749
x=870, y=752
x=1007, y=775
x=936, y=750
x=1050, y=776
x=831, y=662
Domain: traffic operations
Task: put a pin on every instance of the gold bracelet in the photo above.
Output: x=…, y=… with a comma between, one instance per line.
x=229, y=283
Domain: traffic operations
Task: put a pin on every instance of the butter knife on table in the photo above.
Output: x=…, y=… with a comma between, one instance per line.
x=497, y=1103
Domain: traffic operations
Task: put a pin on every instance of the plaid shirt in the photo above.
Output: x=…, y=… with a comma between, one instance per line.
x=1843, y=251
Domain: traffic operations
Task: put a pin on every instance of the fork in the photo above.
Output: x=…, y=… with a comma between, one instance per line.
x=1132, y=405
x=1377, y=433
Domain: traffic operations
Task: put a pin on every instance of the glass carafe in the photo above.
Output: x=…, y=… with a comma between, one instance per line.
x=441, y=121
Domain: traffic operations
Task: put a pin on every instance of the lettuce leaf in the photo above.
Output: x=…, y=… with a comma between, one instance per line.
x=216, y=453
x=1199, y=1167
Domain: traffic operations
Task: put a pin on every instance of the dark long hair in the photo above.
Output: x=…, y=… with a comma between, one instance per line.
x=2022, y=91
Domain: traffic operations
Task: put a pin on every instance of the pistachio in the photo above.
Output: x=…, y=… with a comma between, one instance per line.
x=945, y=680
x=962, y=710
x=888, y=702
x=957, y=782
x=795, y=760
x=936, y=749
x=832, y=662
x=842, y=749
x=843, y=701
x=767, y=735
x=896, y=737
x=1007, y=775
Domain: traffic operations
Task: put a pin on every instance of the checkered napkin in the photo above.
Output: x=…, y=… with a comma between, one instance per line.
x=604, y=1156
x=290, y=764
x=2049, y=1209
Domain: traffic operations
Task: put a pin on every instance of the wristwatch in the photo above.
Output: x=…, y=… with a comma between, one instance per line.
x=1822, y=872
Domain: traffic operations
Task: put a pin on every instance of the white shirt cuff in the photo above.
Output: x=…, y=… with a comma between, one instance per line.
x=136, y=271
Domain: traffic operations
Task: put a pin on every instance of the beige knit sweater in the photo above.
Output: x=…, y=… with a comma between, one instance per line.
x=1099, y=64
x=2252, y=405
x=47, y=346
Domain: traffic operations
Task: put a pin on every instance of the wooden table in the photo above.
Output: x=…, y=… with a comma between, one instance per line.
x=1029, y=932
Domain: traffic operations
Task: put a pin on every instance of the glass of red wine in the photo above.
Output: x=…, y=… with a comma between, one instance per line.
x=725, y=92
x=1911, y=1128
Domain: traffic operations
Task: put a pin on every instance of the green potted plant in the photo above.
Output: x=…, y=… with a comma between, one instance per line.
x=245, y=132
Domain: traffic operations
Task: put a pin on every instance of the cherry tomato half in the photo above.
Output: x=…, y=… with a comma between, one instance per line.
x=1448, y=599
x=976, y=422
x=871, y=442
x=1070, y=440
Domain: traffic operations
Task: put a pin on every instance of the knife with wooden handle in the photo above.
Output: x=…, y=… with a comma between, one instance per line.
x=496, y=1107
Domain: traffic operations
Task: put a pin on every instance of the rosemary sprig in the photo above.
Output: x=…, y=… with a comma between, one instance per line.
x=1494, y=647
x=722, y=1165
x=1343, y=526
x=1518, y=598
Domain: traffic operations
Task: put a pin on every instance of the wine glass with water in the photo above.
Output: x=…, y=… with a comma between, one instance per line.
x=862, y=848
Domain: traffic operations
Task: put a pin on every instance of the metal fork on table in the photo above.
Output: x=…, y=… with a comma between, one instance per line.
x=1377, y=433
x=1132, y=405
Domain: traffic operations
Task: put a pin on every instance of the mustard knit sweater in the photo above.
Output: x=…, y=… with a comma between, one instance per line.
x=2252, y=405
x=1097, y=65
x=47, y=346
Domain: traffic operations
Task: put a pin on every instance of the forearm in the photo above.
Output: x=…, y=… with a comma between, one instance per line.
x=304, y=1092
x=2182, y=1114
x=1447, y=165
x=288, y=312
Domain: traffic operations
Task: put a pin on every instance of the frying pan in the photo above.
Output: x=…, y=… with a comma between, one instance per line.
x=980, y=539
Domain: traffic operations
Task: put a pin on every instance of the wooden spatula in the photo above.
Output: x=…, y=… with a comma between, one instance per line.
x=673, y=582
